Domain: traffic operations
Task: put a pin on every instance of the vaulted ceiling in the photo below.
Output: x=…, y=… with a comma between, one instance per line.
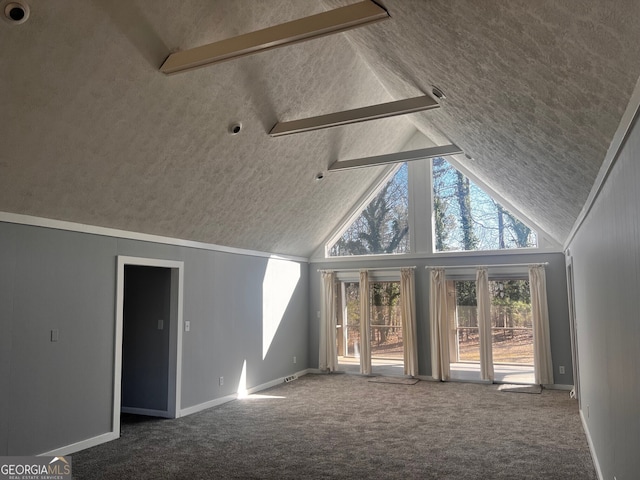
x=93, y=133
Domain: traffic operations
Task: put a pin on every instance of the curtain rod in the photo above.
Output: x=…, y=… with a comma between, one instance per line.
x=430, y=267
x=359, y=269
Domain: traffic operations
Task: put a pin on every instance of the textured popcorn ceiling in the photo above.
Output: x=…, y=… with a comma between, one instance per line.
x=93, y=133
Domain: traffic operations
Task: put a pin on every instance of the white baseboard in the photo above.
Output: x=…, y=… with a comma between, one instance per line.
x=592, y=449
x=146, y=411
x=109, y=436
x=203, y=406
x=558, y=386
x=219, y=401
x=316, y=371
x=83, y=444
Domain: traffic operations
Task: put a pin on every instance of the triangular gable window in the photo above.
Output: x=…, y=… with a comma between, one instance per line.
x=383, y=226
x=466, y=218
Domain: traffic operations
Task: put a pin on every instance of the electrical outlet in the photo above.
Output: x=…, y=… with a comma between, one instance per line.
x=221, y=381
x=294, y=359
x=55, y=335
x=561, y=369
x=187, y=326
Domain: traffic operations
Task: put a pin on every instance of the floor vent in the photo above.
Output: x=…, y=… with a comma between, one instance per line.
x=290, y=378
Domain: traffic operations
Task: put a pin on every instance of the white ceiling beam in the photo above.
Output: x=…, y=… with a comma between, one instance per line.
x=372, y=112
x=398, y=157
x=307, y=28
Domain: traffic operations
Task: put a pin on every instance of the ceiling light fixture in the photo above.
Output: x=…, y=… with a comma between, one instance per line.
x=408, y=156
x=307, y=28
x=372, y=112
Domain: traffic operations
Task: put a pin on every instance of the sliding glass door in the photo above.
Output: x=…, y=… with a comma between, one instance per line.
x=511, y=330
x=387, y=349
x=384, y=323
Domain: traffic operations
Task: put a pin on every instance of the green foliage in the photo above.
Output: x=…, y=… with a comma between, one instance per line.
x=514, y=308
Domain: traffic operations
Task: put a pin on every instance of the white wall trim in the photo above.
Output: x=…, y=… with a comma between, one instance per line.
x=33, y=221
x=146, y=411
x=81, y=445
x=358, y=259
x=558, y=386
x=617, y=142
x=592, y=449
x=204, y=406
x=228, y=398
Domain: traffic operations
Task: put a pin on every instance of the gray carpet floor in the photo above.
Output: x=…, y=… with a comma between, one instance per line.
x=343, y=426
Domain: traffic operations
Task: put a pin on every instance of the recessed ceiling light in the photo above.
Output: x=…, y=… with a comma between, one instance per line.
x=235, y=128
x=438, y=93
x=319, y=176
x=16, y=13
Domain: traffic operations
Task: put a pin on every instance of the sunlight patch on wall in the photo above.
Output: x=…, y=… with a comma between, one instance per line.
x=242, y=384
x=280, y=281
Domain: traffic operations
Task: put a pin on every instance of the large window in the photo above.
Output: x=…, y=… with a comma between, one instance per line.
x=466, y=218
x=383, y=226
x=462, y=217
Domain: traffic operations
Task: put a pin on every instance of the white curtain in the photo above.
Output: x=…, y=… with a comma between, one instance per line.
x=408, y=312
x=543, y=367
x=365, y=335
x=439, y=332
x=484, y=323
x=328, y=357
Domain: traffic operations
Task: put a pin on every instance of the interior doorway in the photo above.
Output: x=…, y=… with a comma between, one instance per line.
x=148, y=339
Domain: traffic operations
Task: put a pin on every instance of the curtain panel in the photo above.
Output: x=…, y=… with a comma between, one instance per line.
x=408, y=312
x=328, y=357
x=543, y=366
x=365, y=333
x=438, y=317
x=484, y=324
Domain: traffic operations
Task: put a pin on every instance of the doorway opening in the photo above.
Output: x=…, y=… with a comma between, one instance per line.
x=148, y=340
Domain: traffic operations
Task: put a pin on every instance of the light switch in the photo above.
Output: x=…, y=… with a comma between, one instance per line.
x=54, y=335
x=187, y=326
x=160, y=324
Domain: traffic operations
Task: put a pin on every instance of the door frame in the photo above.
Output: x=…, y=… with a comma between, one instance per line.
x=175, y=334
x=573, y=326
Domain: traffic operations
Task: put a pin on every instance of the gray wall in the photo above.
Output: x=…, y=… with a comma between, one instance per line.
x=606, y=257
x=56, y=394
x=556, y=293
x=145, y=348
